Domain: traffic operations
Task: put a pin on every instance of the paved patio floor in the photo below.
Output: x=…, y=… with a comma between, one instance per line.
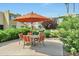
x=52, y=48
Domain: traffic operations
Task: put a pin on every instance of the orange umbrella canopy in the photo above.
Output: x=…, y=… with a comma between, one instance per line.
x=31, y=17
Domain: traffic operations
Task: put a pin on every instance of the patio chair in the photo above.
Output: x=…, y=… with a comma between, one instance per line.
x=30, y=33
x=41, y=39
x=26, y=40
x=20, y=37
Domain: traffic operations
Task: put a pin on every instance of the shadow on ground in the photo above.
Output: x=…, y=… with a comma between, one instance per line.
x=50, y=49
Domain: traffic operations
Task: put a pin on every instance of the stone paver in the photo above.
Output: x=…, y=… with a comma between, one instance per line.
x=52, y=48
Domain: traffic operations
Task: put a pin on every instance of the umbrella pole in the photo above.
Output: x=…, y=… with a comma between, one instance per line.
x=32, y=25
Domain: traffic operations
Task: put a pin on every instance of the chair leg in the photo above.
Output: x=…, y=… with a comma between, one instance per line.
x=43, y=43
x=24, y=45
x=19, y=41
x=38, y=43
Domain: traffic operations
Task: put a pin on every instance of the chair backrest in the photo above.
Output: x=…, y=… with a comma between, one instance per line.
x=30, y=33
x=21, y=35
x=41, y=37
x=26, y=39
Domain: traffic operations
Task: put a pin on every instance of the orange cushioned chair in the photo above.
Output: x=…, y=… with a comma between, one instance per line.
x=26, y=40
x=30, y=33
x=41, y=39
x=20, y=36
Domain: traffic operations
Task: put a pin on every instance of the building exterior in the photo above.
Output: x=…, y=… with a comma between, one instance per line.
x=7, y=19
x=1, y=20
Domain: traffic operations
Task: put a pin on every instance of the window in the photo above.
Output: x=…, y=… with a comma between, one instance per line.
x=11, y=17
x=1, y=26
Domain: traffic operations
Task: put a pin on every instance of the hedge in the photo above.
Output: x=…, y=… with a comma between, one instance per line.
x=11, y=34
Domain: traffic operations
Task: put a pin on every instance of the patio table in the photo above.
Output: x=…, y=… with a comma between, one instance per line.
x=34, y=38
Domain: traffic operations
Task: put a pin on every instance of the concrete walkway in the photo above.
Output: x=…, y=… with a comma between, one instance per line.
x=52, y=48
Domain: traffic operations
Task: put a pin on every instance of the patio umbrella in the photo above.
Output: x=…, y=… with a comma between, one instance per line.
x=31, y=17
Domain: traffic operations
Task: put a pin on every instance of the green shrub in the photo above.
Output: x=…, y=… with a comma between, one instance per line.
x=36, y=32
x=73, y=51
x=47, y=33
x=69, y=31
x=11, y=34
x=23, y=30
x=3, y=35
x=54, y=33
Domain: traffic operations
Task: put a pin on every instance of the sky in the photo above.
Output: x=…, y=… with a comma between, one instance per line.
x=46, y=9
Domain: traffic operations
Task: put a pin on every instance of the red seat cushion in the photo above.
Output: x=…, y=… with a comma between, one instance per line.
x=26, y=38
x=30, y=33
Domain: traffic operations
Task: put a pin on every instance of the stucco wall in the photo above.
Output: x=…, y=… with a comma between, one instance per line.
x=6, y=20
x=1, y=18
